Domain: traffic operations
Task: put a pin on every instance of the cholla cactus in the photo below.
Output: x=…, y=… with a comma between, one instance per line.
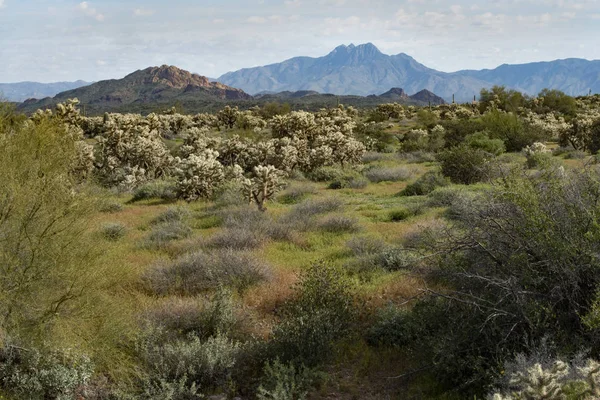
x=537, y=383
x=228, y=116
x=249, y=121
x=535, y=148
x=132, y=143
x=83, y=163
x=391, y=110
x=591, y=373
x=267, y=181
x=297, y=123
x=199, y=175
x=537, y=154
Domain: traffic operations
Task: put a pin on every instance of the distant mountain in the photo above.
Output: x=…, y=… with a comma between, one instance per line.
x=574, y=76
x=144, y=89
x=22, y=91
x=364, y=70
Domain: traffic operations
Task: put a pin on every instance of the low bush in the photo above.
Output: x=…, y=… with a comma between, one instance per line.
x=365, y=245
x=339, y=224
x=197, y=272
x=372, y=156
x=464, y=164
x=321, y=312
x=351, y=183
x=113, y=231
x=481, y=140
x=110, y=207
x=426, y=184
x=400, y=214
x=157, y=189
x=253, y=226
x=285, y=381
x=172, y=214
x=184, y=316
x=326, y=174
x=163, y=234
x=187, y=368
x=301, y=217
x=393, y=327
x=416, y=157
x=36, y=375
x=238, y=239
x=389, y=174
x=296, y=193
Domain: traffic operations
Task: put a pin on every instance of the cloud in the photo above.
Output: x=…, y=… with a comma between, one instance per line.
x=88, y=10
x=143, y=12
x=256, y=20
x=293, y=3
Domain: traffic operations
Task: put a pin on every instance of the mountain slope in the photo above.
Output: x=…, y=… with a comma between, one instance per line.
x=152, y=86
x=573, y=76
x=364, y=70
x=22, y=91
x=352, y=70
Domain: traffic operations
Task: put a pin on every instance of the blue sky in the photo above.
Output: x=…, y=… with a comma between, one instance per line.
x=56, y=40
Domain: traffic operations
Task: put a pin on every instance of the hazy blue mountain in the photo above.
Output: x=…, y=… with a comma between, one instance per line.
x=22, y=91
x=574, y=76
x=364, y=70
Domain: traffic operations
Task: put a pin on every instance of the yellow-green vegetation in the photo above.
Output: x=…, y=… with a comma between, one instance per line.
x=303, y=255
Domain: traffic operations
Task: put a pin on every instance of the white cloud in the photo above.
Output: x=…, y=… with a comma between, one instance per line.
x=1, y=3
x=143, y=12
x=88, y=10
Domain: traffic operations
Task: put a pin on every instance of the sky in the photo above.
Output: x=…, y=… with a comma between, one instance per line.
x=66, y=40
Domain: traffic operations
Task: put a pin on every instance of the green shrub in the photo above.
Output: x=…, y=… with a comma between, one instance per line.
x=187, y=368
x=321, y=312
x=518, y=268
x=349, y=183
x=200, y=271
x=113, y=231
x=393, y=327
x=575, y=155
x=464, y=164
x=509, y=128
x=110, y=207
x=480, y=140
x=426, y=184
x=339, y=224
x=158, y=189
x=365, y=245
x=539, y=160
x=372, y=156
x=416, y=157
x=326, y=174
x=35, y=375
x=285, y=382
x=400, y=214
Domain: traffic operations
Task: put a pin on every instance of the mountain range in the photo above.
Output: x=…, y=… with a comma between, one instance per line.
x=159, y=88
x=152, y=87
x=22, y=91
x=364, y=70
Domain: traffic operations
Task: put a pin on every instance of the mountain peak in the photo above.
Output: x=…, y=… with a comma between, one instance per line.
x=172, y=76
